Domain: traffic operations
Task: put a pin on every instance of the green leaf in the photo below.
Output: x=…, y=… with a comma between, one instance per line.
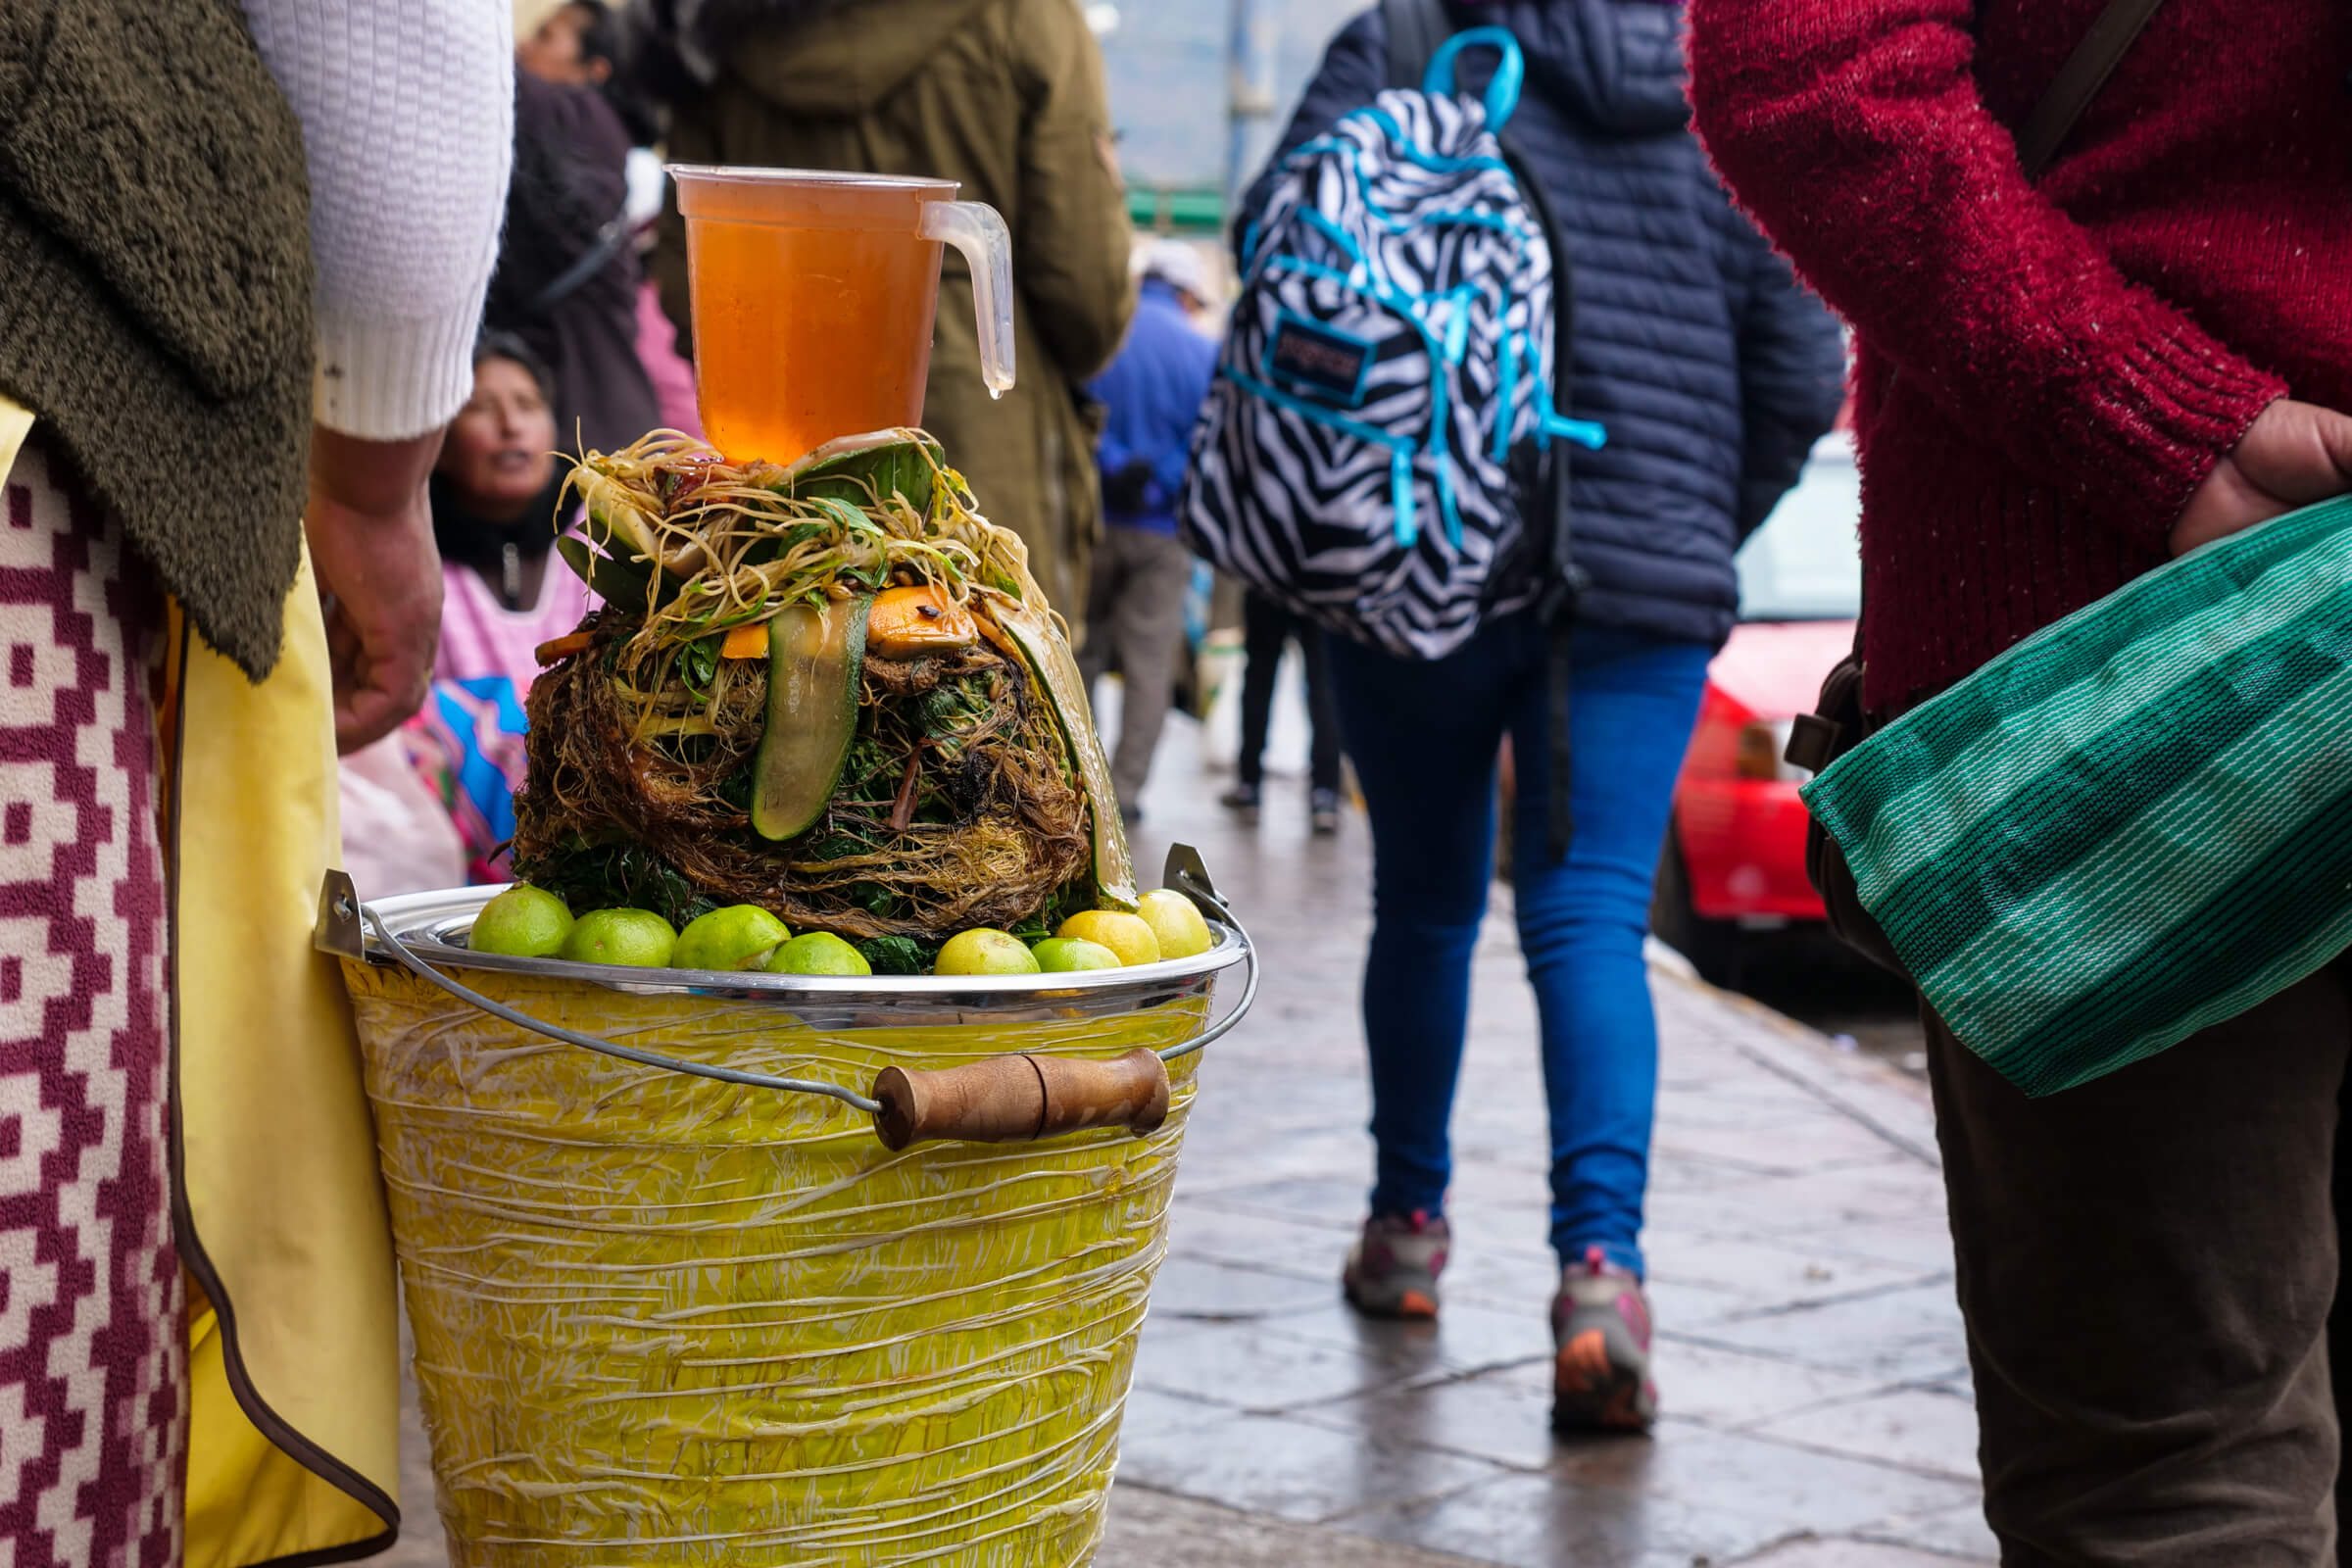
x=618, y=876
x=895, y=956
x=1050, y=659
x=698, y=664
x=861, y=469
x=611, y=580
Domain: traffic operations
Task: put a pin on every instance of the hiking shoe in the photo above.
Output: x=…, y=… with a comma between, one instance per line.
x=1600, y=1365
x=1241, y=801
x=1323, y=811
x=1393, y=1267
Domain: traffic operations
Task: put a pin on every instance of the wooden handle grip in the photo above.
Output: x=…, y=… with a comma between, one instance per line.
x=1017, y=1099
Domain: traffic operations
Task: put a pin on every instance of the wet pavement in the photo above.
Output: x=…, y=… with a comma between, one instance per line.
x=1806, y=973
x=1812, y=1374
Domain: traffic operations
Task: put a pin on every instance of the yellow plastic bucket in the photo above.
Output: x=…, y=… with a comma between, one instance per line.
x=661, y=1320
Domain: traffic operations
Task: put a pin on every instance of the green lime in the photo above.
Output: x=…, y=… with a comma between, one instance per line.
x=818, y=953
x=522, y=923
x=638, y=938
x=1061, y=954
x=984, y=951
x=1127, y=934
x=741, y=936
x=1176, y=920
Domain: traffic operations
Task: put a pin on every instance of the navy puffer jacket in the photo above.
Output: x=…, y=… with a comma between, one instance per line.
x=1712, y=367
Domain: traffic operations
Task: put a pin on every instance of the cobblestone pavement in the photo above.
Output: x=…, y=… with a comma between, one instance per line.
x=1811, y=1369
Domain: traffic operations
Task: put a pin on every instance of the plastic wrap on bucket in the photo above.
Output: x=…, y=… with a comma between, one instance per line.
x=663, y=1319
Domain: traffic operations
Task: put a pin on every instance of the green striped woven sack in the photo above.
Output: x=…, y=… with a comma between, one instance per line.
x=2135, y=823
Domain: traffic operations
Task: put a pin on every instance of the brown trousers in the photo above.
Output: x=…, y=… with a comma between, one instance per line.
x=2149, y=1267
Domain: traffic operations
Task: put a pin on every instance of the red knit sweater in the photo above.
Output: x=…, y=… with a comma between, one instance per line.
x=2044, y=372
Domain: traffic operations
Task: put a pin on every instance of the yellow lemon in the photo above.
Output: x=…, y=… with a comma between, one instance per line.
x=638, y=938
x=1065, y=954
x=522, y=923
x=741, y=936
x=1129, y=936
x=818, y=953
x=985, y=951
x=1177, y=921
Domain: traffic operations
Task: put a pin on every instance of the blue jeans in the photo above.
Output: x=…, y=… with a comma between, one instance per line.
x=1424, y=739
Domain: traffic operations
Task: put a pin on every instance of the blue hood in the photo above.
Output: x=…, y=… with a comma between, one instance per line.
x=1617, y=62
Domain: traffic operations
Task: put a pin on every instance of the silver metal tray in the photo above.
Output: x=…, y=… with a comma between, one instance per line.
x=433, y=926
x=425, y=934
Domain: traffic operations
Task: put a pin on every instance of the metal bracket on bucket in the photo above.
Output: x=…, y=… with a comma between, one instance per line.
x=338, y=930
x=1018, y=1099
x=1186, y=873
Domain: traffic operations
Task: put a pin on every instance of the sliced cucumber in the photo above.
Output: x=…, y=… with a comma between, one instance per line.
x=843, y=469
x=815, y=654
x=1049, y=657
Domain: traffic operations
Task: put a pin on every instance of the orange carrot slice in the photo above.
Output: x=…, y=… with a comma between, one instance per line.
x=746, y=642
x=563, y=647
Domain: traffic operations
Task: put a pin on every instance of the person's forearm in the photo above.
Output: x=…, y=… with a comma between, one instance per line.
x=1854, y=132
x=371, y=477
x=407, y=112
x=371, y=536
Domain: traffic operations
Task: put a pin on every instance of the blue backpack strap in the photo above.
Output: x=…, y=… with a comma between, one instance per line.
x=1503, y=88
x=1417, y=30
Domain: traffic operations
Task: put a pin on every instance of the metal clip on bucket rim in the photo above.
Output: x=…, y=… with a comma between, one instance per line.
x=345, y=925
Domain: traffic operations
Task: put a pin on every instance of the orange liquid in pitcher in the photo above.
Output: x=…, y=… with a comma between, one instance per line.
x=805, y=334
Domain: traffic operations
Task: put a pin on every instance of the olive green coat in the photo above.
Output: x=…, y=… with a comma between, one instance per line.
x=1007, y=97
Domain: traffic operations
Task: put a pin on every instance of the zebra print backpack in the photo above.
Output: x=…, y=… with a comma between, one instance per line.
x=1375, y=450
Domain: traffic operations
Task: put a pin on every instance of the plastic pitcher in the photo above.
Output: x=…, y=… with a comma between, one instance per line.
x=814, y=299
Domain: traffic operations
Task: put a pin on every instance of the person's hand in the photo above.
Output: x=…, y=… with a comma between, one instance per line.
x=371, y=545
x=2293, y=455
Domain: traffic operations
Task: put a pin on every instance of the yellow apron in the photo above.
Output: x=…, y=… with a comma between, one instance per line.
x=278, y=1208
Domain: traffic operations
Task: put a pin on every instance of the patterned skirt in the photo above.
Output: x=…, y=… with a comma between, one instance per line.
x=93, y=1385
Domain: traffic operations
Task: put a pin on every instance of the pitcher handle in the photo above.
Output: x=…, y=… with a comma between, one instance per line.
x=977, y=231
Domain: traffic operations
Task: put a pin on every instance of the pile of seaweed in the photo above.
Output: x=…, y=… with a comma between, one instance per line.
x=831, y=689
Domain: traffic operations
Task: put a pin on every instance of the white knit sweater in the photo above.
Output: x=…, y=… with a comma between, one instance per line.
x=408, y=116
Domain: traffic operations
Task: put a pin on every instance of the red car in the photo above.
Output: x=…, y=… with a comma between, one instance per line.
x=1734, y=858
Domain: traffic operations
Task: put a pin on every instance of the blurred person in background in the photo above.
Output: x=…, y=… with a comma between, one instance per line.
x=1713, y=372
x=568, y=279
x=495, y=491
x=244, y=264
x=1004, y=96
x=429, y=804
x=2064, y=381
x=1135, y=611
x=585, y=43
x=1267, y=629
x=432, y=806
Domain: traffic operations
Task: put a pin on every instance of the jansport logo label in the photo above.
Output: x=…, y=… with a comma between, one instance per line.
x=1317, y=360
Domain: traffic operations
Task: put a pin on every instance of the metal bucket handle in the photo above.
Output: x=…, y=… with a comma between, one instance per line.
x=1016, y=1098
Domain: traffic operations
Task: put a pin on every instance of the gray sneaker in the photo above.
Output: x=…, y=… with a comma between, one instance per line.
x=1393, y=1267
x=1323, y=812
x=1600, y=1338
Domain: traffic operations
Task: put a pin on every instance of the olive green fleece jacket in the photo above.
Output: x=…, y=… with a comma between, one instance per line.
x=154, y=289
x=1007, y=97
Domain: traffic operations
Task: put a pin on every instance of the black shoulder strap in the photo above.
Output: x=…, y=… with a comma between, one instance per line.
x=2079, y=79
x=1415, y=29
x=2060, y=109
